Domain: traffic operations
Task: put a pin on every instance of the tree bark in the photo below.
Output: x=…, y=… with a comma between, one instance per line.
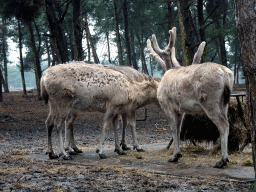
x=190, y=39
x=56, y=31
x=54, y=57
x=245, y=15
x=88, y=49
x=1, y=91
x=213, y=8
x=21, y=61
x=71, y=44
x=88, y=36
x=6, y=88
x=48, y=51
x=118, y=41
x=201, y=26
x=107, y=36
x=126, y=33
x=170, y=13
x=142, y=55
x=133, y=56
x=78, y=32
x=38, y=70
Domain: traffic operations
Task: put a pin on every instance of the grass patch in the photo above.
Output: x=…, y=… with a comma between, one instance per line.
x=247, y=162
x=20, y=152
x=12, y=170
x=190, y=154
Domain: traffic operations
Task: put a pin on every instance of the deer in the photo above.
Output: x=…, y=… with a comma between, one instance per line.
x=136, y=76
x=194, y=89
x=74, y=87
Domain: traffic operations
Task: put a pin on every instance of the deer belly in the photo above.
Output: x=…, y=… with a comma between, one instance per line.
x=191, y=107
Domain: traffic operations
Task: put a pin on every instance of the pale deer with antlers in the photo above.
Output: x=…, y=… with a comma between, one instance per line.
x=195, y=89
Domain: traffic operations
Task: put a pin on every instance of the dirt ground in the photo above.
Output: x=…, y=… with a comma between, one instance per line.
x=22, y=132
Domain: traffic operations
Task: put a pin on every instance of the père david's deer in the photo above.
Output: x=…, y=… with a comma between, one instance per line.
x=73, y=88
x=195, y=89
x=135, y=76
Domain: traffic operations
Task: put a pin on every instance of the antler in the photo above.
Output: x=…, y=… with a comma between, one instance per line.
x=198, y=54
x=162, y=56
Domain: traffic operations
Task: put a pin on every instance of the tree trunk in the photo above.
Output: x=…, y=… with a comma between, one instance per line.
x=120, y=55
x=21, y=61
x=78, y=32
x=6, y=88
x=56, y=31
x=1, y=91
x=71, y=42
x=213, y=8
x=246, y=26
x=142, y=56
x=190, y=39
x=107, y=36
x=88, y=49
x=48, y=51
x=201, y=26
x=38, y=70
x=236, y=61
x=88, y=36
x=170, y=13
x=133, y=56
x=126, y=33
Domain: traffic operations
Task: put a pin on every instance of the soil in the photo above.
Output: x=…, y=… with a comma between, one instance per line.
x=23, y=133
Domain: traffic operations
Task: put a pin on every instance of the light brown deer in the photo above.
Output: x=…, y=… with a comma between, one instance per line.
x=135, y=76
x=195, y=89
x=75, y=87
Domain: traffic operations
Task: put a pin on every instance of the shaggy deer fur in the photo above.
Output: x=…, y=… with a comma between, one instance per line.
x=135, y=76
x=198, y=88
x=75, y=87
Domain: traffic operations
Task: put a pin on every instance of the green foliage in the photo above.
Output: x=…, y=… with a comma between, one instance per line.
x=25, y=10
x=144, y=17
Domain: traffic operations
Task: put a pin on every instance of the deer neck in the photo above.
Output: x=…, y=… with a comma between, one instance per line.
x=144, y=93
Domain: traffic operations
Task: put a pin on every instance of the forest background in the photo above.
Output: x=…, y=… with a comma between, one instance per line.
x=45, y=33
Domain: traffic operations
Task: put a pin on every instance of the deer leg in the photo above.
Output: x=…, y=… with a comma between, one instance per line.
x=117, y=146
x=71, y=146
x=132, y=123
x=50, y=125
x=169, y=144
x=61, y=146
x=123, y=142
x=220, y=120
x=108, y=119
x=175, y=120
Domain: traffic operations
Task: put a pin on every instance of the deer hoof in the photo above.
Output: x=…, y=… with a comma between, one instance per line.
x=125, y=147
x=120, y=152
x=52, y=155
x=103, y=156
x=67, y=157
x=175, y=158
x=77, y=150
x=140, y=150
x=221, y=163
